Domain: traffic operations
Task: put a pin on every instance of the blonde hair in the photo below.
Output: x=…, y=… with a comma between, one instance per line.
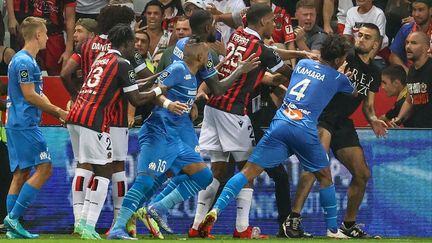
x=29, y=26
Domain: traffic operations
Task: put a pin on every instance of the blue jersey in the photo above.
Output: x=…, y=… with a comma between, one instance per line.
x=23, y=69
x=202, y=74
x=311, y=88
x=182, y=87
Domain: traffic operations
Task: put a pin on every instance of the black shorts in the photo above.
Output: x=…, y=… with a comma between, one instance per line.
x=342, y=131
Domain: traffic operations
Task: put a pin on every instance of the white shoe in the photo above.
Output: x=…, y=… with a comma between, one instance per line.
x=337, y=235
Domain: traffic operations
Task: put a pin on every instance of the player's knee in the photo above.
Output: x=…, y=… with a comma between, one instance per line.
x=203, y=178
x=142, y=182
x=362, y=175
x=44, y=170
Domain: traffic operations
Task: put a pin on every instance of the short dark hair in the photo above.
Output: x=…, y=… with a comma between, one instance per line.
x=120, y=34
x=306, y=4
x=257, y=12
x=395, y=72
x=199, y=20
x=427, y=2
x=112, y=15
x=373, y=27
x=154, y=3
x=334, y=46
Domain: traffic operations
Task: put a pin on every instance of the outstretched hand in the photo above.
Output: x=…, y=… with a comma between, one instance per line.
x=379, y=127
x=249, y=64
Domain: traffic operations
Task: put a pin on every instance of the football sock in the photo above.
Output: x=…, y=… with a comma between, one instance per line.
x=205, y=200
x=244, y=201
x=98, y=195
x=86, y=204
x=26, y=196
x=119, y=188
x=230, y=191
x=186, y=189
x=79, y=185
x=328, y=202
x=132, y=199
x=174, y=182
x=156, y=184
x=10, y=201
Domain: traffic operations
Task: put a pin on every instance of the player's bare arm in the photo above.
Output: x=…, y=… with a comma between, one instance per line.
x=219, y=87
x=137, y=98
x=66, y=77
x=378, y=126
x=42, y=102
x=289, y=54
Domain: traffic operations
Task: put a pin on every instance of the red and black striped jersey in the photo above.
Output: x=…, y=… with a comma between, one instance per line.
x=109, y=77
x=242, y=44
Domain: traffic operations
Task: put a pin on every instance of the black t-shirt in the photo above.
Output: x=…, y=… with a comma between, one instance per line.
x=366, y=77
x=419, y=85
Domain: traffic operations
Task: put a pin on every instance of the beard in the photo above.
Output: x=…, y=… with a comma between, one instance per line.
x=360, y=50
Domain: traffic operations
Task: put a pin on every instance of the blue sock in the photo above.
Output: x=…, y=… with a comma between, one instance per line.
x=174, y=182
x=328, y=202
x=132, y=200
x=230, y=191
x=186, y=189
x=26, y=196
x=157, y=183
x=10, y=201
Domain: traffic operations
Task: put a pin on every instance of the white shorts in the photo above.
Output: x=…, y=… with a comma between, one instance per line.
x=226, y=132
x=119, y=139
x=90, y=146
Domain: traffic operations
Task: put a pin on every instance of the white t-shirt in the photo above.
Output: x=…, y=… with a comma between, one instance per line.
x=375, y=16
x=343, y=7
x=226, y=6
x=90, y=6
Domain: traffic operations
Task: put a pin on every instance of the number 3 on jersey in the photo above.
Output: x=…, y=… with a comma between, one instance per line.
x=299, y=89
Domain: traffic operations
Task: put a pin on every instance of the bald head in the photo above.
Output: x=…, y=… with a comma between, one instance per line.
x=421, y=37
x=417, y=46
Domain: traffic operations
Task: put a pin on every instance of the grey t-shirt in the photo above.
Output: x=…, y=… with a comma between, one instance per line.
x=315, y=37
x=90, y=6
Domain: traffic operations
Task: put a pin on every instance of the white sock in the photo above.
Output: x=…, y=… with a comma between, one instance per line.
x=97, y=199
x=244, y=201
x=86, y=205
x=205, y=200
x=119, y=188
x=79, y=186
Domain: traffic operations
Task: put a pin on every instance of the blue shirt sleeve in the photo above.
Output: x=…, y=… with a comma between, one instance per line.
x=207, y=71
x=26, y=72
x=398, y=44
x=345, y=85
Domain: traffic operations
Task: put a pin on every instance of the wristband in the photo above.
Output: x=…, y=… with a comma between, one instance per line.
x=166, y=103
x=158, y=91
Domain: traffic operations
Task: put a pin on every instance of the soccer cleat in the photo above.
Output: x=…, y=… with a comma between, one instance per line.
x=158, y=216
x=206, y=225
x=337, y=235
x=250, y=233
x=12, y=235
x=119, y=234
x=149, y=223
x=131, y=226
x=89, y=233
x=15, y=226
x=292, y=228
x=355, y=231
x=78, y=229
x=193, y=233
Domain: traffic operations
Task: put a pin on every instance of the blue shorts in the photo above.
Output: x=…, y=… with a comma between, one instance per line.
x=283, y=139
x=160, y=152
x=27, y=148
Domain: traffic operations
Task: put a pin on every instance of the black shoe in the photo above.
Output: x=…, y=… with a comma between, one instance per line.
x=292, y=228
x=355, y=231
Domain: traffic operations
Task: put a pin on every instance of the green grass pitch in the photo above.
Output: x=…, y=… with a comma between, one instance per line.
x=219, y=239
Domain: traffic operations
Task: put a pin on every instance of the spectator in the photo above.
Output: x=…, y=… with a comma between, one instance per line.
x=397, y=12
x=159, y=39
x=6, y=52
x=418, y=104
x=191, y=5
x=421, y=11
x=89, y=8
x=172, y=9
x=309, y=36
x=394, y=83
x=366, y=12
x=60, y=16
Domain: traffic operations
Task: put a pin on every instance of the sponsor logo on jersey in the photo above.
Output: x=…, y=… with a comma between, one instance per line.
x=132, y=76
x=187, y=76
x=209, y=64
x=163, y=76
x=152, y=166
x=24, y=75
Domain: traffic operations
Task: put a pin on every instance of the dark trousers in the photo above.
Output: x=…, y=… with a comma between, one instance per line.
x=6, y=178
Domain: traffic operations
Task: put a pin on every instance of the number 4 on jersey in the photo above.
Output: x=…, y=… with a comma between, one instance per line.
x=299, y=89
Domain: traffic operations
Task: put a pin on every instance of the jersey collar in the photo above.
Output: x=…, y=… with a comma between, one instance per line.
x=115, y=51
x=252, y=32
x=103, y=36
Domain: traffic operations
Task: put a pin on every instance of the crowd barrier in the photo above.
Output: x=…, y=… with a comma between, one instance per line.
x=397, y=201
x=55, y=91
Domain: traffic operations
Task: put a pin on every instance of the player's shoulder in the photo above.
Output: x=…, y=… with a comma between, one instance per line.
x=182, y=42
x=23, y=58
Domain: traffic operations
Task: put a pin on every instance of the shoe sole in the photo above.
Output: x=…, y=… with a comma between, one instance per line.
x=155, y=232
x=160, y=222
x=209, y=220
